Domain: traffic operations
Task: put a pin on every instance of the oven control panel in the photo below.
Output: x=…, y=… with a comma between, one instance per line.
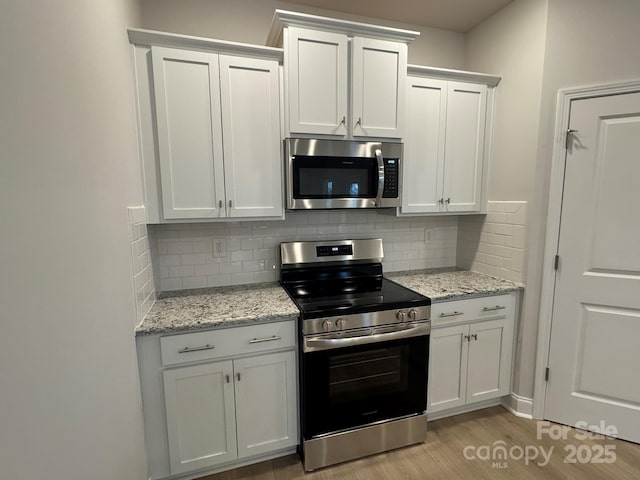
x=364, y=320
x=334, y=250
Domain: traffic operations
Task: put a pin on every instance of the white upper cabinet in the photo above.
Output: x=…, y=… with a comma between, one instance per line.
x=379, y=76
x=424, y=145
x=446, y=142
x=249, y=91
x=342, y=79
x=464, y=146
x=317, y=81
x=186, y=87
x=209, y=128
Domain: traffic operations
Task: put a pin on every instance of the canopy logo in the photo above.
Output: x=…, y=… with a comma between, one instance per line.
x=499, y=453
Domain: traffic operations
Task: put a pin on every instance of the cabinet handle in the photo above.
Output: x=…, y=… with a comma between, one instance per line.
x=475, y=336
x=454, y=314
x=493, y=309
x=448, y=200
x=196, y=349
x=238, y=376
x=230, y=203
x=359, y=122
x=266, y=339
x=441, y=201
x=343, y=121
x=219, y=203
x=467, y=338
x=227, y=377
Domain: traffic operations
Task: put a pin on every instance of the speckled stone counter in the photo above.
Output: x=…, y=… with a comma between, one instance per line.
x=450, y=284
x=207, y=308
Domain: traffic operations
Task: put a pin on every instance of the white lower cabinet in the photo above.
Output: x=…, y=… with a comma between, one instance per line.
x=200, y=416
x=221, y=411
x=470, y=351
x=218, y=409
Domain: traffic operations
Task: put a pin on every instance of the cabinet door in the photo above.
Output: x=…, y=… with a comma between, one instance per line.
x=249, y=92
x=466, y=110
x=378, y=93
x=199, y=402
x=187, y=105
x=489, y=369
x=266, y=403
x=424, y=145
x=447, y=380
x=317, y=69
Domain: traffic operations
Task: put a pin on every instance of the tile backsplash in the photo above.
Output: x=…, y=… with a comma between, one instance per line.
x=494, y=243
x=143, y=278
x=198, y=255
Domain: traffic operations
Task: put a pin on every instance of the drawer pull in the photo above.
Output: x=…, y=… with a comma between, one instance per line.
x=493, y=309
x=265, y=339
x=196, y=349
x=454, y=314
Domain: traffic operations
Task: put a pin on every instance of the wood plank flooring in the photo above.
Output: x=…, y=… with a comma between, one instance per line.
x=442, y=455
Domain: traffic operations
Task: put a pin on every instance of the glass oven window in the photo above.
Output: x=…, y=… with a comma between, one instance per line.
x=372, y=372
x=330, y=177
x=344, y=388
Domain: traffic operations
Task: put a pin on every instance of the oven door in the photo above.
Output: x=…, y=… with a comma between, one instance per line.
x=353, y=383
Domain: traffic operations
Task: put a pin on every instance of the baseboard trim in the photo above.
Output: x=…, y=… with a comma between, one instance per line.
x=519, y=406
x=465, y=409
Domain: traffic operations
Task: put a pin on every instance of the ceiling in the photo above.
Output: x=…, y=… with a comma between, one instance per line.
x=456, y=15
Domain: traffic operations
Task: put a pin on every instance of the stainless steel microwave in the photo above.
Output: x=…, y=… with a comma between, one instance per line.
x=326, y=174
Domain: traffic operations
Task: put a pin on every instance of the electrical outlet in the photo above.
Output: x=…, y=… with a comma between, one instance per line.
x=219, y=247
x=428, y=235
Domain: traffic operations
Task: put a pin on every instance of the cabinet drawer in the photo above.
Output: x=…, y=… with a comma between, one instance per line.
x=447, y=313
x=211, y=344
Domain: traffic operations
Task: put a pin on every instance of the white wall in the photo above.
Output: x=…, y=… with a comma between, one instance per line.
x=511, y=43
x=249, y=21
x=70, y=406
x=588, y=42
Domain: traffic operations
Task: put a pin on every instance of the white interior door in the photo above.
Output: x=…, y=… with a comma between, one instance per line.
x=595, y=337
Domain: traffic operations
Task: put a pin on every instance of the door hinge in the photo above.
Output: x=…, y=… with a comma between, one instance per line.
x=556, y=262
x=546, y=374
x=567, y=138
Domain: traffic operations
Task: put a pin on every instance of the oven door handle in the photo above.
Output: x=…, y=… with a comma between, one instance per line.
x=313, y=344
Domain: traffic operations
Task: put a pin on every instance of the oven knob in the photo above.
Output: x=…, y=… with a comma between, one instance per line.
x=400, y=315
x=327, y=325
x=340, y=323
x=413, y=314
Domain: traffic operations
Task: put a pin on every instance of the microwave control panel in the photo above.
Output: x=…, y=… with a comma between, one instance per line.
x=390, y=178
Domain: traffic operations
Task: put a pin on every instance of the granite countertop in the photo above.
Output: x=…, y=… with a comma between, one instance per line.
x=208, y=308
x=221, y=307
x=446, y=284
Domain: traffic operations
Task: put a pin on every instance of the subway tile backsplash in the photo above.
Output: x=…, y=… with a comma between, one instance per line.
x=143, y=278
x=187, y=257
x=494, y=243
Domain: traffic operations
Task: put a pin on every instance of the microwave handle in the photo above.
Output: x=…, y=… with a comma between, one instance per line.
x=380, y=177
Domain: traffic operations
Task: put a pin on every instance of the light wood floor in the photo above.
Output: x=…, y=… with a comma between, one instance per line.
x=441, y=456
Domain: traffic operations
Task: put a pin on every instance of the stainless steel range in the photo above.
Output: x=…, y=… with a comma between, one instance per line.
x=364, y=351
